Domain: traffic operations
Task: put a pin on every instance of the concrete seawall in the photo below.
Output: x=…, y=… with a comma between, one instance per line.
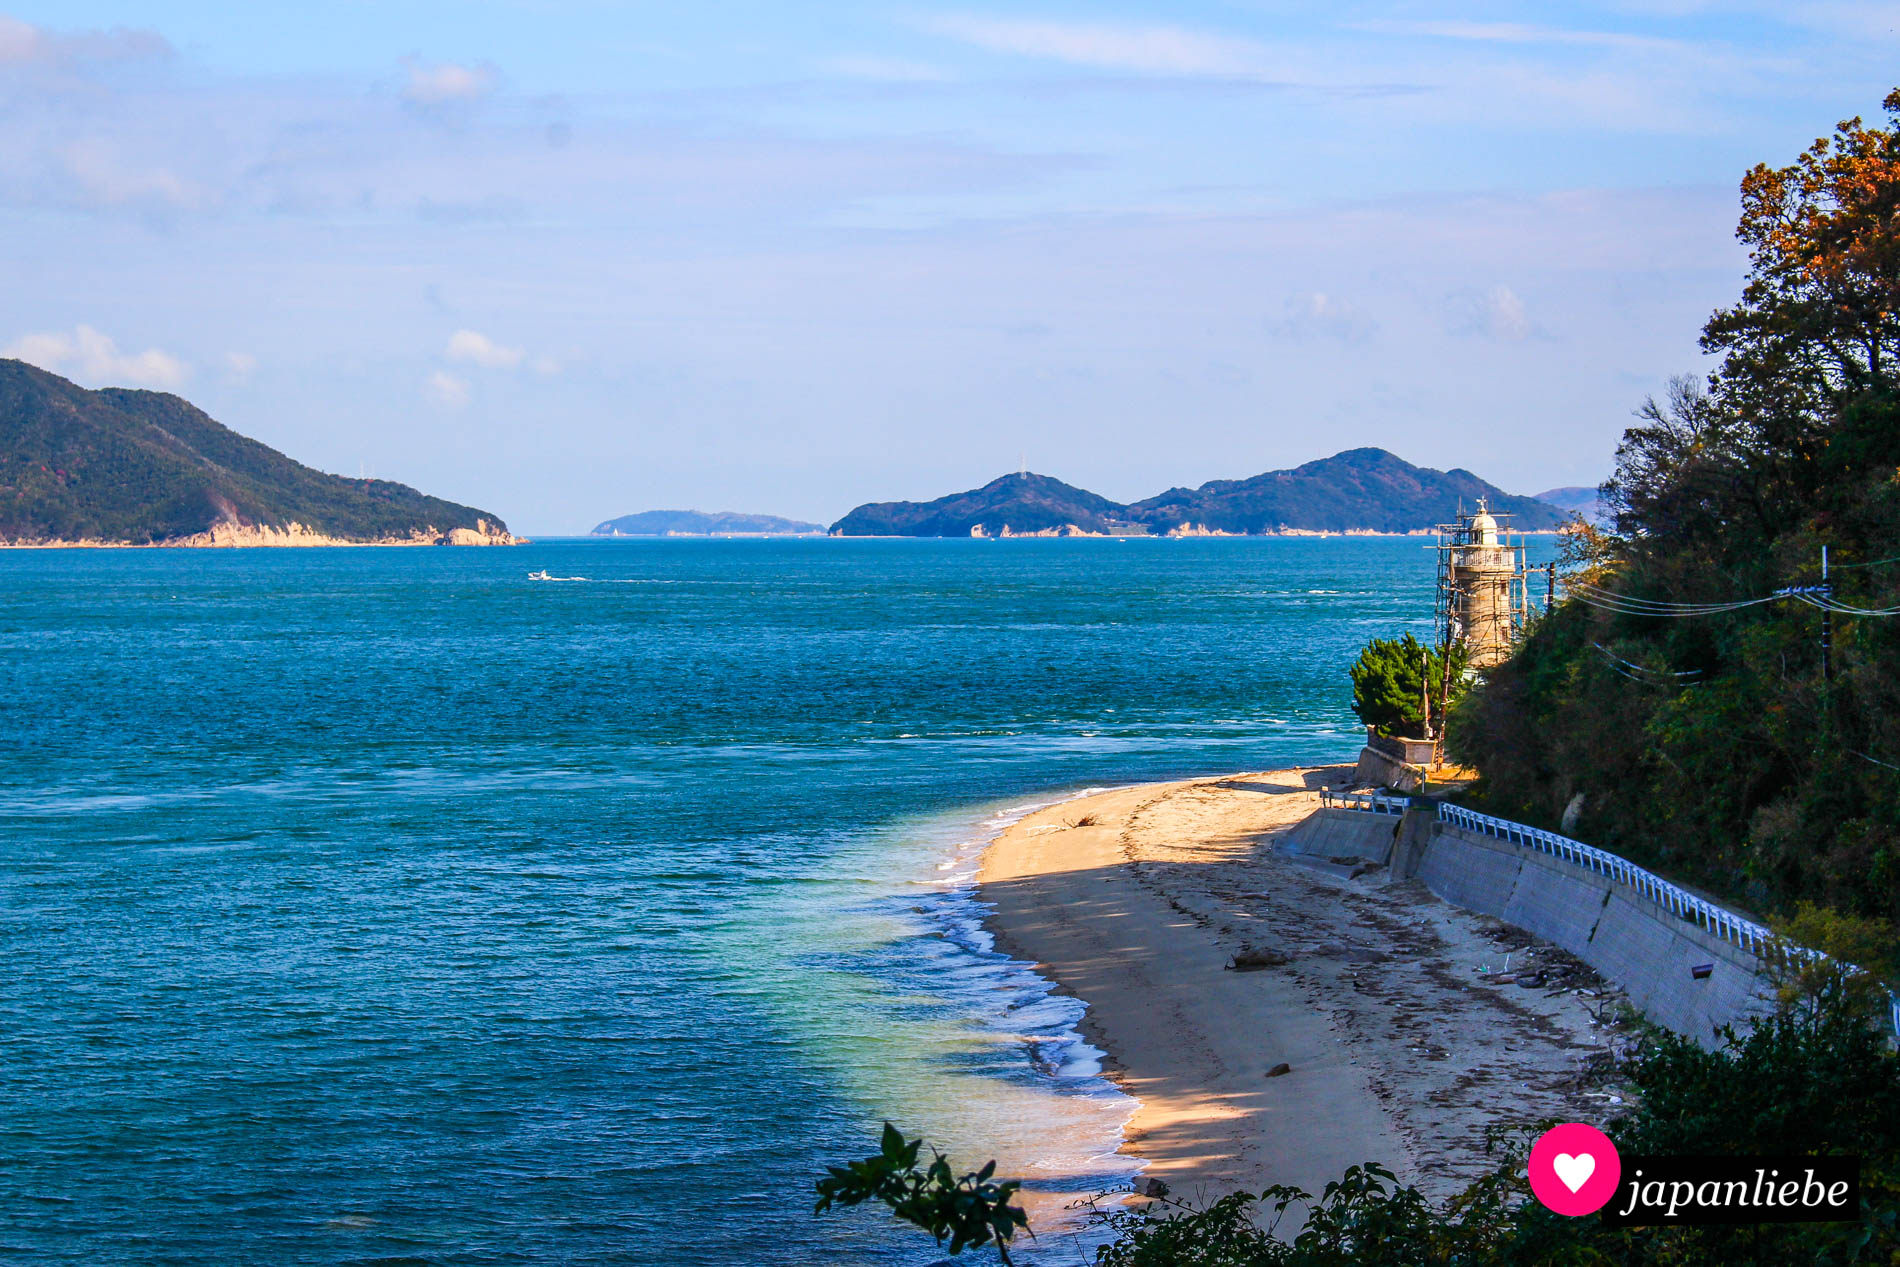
x=1650, y=953
x=1646, y=950
x=1344, y=833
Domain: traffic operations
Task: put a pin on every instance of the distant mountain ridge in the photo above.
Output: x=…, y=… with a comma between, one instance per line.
x=1583, y=500
x=697, y=523
x=121, y=467
x=1359, y=490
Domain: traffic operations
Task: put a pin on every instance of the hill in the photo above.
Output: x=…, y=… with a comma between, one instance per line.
x=1013, y=505
x=135, y=467
x=697, y=523
x=1360, y=490
x=1586, y=501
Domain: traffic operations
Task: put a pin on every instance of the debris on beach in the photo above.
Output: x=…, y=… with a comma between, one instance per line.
x=1253, y=960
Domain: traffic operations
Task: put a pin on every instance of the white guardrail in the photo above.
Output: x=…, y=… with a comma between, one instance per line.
x=1685, y=905
x=1394, y=805
x=1727, y=925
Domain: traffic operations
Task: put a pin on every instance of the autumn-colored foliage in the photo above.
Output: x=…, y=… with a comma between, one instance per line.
x=1725, y=746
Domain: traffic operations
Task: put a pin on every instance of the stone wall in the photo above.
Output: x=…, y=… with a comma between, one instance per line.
x=1379, y=769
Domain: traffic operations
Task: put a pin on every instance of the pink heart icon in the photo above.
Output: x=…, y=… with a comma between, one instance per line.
x=1574, y=1169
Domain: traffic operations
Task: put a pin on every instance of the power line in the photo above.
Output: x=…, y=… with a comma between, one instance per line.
x=1640, y=668
x=1818, y=596
x=1830, y=604
x=1631, y=604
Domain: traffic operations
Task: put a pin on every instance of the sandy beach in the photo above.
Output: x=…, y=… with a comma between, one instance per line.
x=1401, y=1019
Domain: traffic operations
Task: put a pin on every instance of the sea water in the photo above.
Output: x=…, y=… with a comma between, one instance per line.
x=389, y=906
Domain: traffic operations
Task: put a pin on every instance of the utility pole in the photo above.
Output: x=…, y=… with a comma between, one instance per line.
x=1444, y=696
x=1425, y=687
x=1550, y=586
x=1827, y=624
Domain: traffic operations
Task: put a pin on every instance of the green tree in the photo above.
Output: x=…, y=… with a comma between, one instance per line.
x=1390, y=681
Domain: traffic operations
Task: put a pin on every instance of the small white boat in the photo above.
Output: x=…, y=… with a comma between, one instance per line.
x=542, y=575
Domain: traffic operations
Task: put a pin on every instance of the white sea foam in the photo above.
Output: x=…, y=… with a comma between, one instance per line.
x=1018, y=1009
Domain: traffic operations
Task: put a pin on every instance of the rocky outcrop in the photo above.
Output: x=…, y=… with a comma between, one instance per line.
x=1060, y=530
x=483, y=533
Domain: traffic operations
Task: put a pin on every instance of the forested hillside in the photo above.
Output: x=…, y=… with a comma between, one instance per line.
x=1710, y=720
x=1022, y=504
x=1360, y=490
x=1367, y=490
x=138, y=466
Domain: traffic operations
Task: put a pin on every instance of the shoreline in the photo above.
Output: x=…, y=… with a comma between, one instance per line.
x=1405, y=1034
x=297, y=543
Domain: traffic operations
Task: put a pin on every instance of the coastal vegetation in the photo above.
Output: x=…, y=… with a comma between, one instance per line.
x=1360, y=490
x=1720, y=695
x=137, y=467
x=1394, y=681
x=1816, y=1078
x=962, y=1213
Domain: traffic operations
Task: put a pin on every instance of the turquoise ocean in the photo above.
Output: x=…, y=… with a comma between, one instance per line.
x=388, y=906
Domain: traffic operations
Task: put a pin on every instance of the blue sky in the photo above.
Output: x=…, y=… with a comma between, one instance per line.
x=566, y=260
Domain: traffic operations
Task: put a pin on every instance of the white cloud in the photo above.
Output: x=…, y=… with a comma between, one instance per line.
x=1318, y=313
x=1112, y=46
x=1505, y=312
x=546, y=366
x=106, y=178
x=1528, y=33
x=96, y=358
x=1497, y=313
x=445, y=389
x=446, y=82
x=19, y=42
x=239, y=365
x=478, y=349
x=23, y=44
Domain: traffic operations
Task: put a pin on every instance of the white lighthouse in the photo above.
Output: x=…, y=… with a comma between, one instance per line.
x=1481, y=590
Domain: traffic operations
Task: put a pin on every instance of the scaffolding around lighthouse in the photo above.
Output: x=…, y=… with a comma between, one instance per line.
x=1483, y=594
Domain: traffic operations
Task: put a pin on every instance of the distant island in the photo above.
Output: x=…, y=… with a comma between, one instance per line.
x=1583, y=500
x=697, y=523
x=1358, y=491
x=122, y=467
